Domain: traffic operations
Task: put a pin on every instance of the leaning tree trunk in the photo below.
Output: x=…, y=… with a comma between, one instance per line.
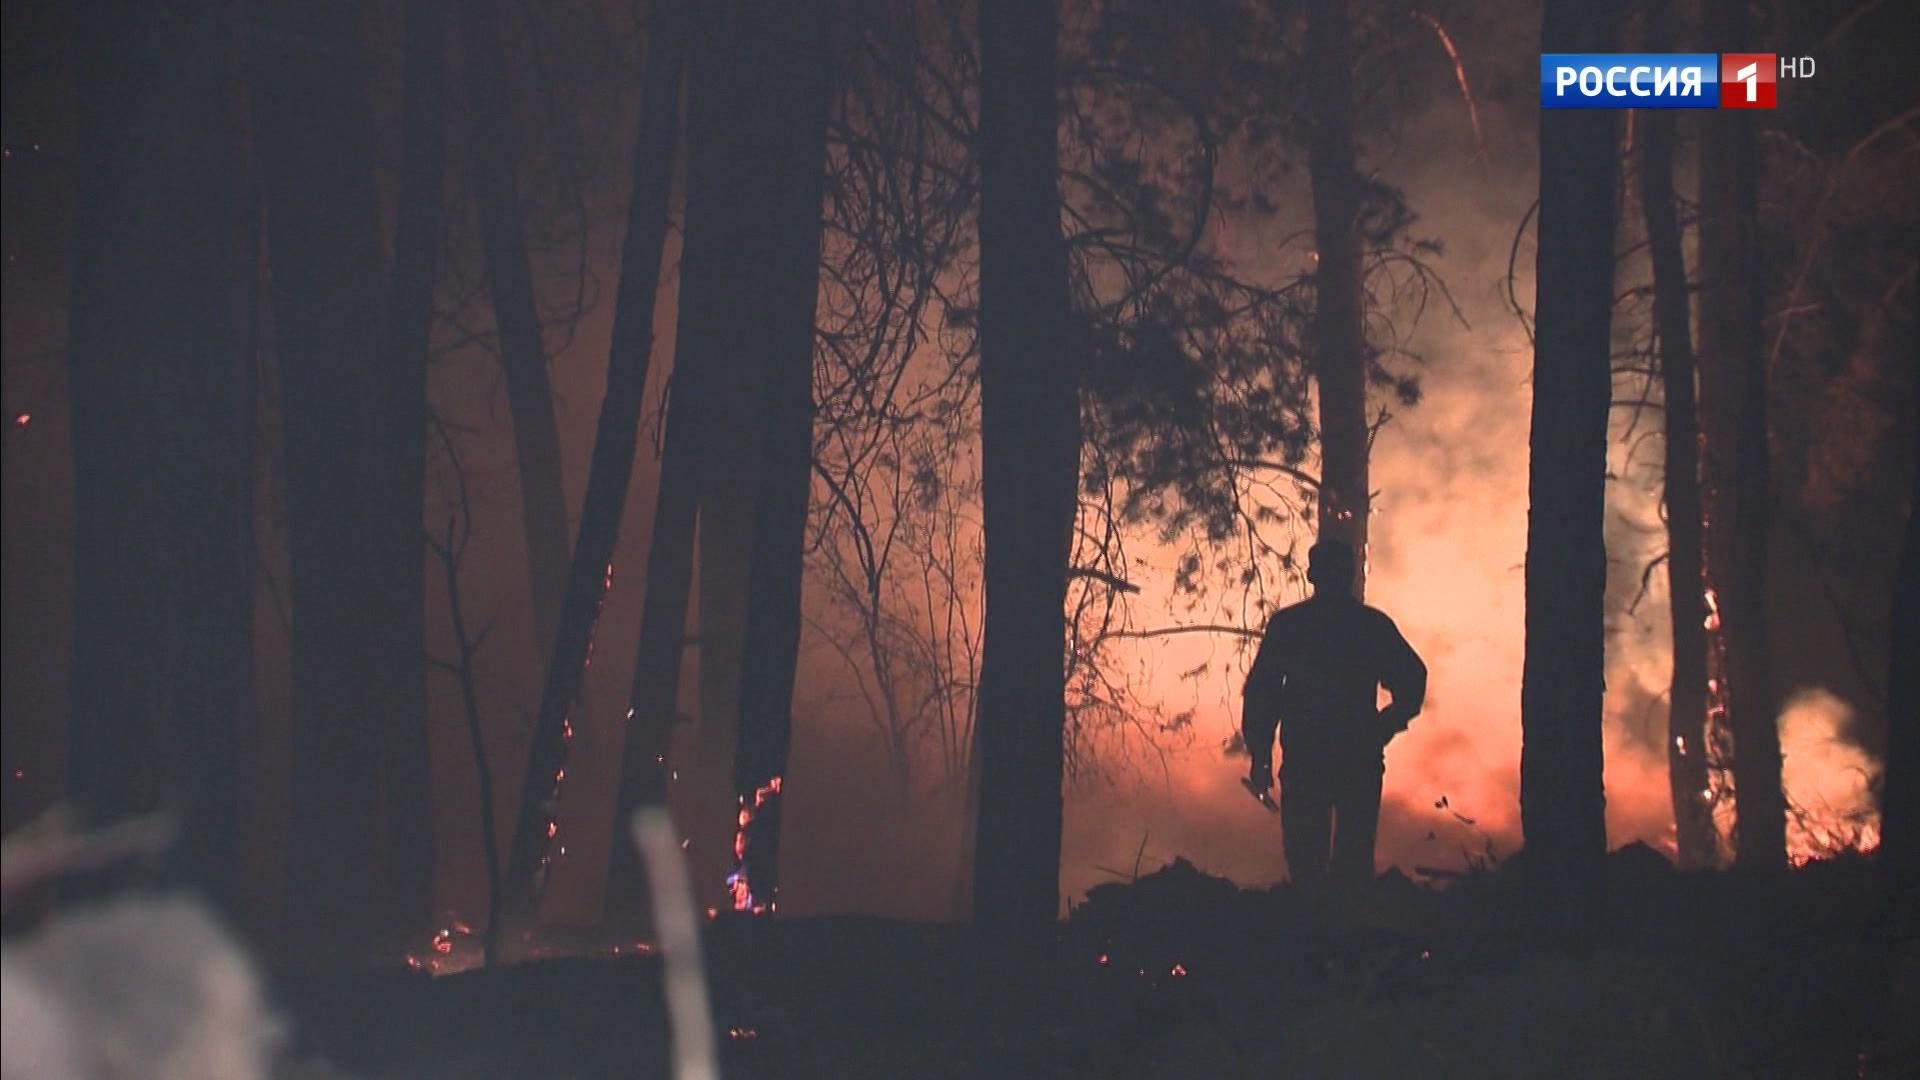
x=316, y=140
x=1030, y=449
x=1341, y=356
x=161, y=596
x=523, y=357
x=398, y=442
x=791, y=38
x=1733, y=418
x=609, y=475
x=715, y=258
x=1562, y=804
x=1687, y=697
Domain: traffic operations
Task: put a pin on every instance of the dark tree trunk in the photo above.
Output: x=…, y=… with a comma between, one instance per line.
x=1341, y=356
x=1733, y=418
x=652, y=703
x=1672, y=309
x=1900, y=794
x=711, y=265
x=789, y=39
x=523, y=357
x=1030, y=449
x=610, y=473
x=398, y=435
x=1562, y=804
x=161, y=596
x=726, y=542
x=316, y=141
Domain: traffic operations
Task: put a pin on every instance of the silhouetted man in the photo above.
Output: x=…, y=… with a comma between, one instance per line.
x=1317, y=678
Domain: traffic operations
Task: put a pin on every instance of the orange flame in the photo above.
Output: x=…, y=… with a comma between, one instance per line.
x=739, y=883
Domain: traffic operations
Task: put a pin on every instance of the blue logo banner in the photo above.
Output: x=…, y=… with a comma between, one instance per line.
x=1629, y=81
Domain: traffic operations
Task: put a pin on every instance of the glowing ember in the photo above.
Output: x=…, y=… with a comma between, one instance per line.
x=1105, y=959
x=739, y=883
x=743, y=1033
x=1178, y=971
x=23, y=420
x=553, y=829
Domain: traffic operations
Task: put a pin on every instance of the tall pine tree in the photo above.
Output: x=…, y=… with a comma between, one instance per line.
x=1562, y=804
x=1030, y=457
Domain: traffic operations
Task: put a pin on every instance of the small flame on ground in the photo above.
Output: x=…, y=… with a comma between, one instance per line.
x=739, y=884
x=742, y=1033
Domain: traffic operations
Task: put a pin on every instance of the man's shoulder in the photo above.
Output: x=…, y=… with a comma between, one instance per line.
x=1291, y=615
x=1375, y=615
x=1378, y=620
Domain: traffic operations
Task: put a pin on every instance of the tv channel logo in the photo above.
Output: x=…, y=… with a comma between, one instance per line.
x=1665, y=80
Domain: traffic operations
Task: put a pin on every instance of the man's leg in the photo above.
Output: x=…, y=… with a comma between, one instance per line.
x=1306, y=819
x=1356, y=805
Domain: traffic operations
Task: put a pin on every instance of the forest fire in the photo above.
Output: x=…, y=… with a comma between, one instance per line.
x=452, y=949
x=739, y=880
x=980, y=387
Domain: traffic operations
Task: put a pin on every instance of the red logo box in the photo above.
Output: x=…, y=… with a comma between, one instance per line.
x=1747, y=80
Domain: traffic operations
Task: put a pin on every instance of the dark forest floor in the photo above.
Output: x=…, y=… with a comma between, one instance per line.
x=1708, y=975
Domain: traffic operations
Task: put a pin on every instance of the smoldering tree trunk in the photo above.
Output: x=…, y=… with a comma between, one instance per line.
x=1341, y=356
x=1687, y=695
x=523, y=357
x=652, y=703
x=790, y=38
x=398, y=435
x=610, y=473
x=1900, y=793
x=316, y=142
x=713, y=263
x=1733, y=418
x=1030, y=444
x=1562, y=805
x=161, y=601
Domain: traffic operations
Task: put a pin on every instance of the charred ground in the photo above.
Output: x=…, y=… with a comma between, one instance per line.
x=1179, y=973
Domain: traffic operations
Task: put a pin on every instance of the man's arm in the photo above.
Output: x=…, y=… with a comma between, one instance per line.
x=1404, y=675
x=1260, y=703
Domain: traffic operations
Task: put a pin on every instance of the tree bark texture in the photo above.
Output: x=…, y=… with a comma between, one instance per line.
x=609, y=474
x=523, y=357
x=1687, y=606
x=1341, y=356
x=790, y=42
x=161, y=600
x=1030, y=450
x=316, y=143
x=1562, y=804
x=1733, y=419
